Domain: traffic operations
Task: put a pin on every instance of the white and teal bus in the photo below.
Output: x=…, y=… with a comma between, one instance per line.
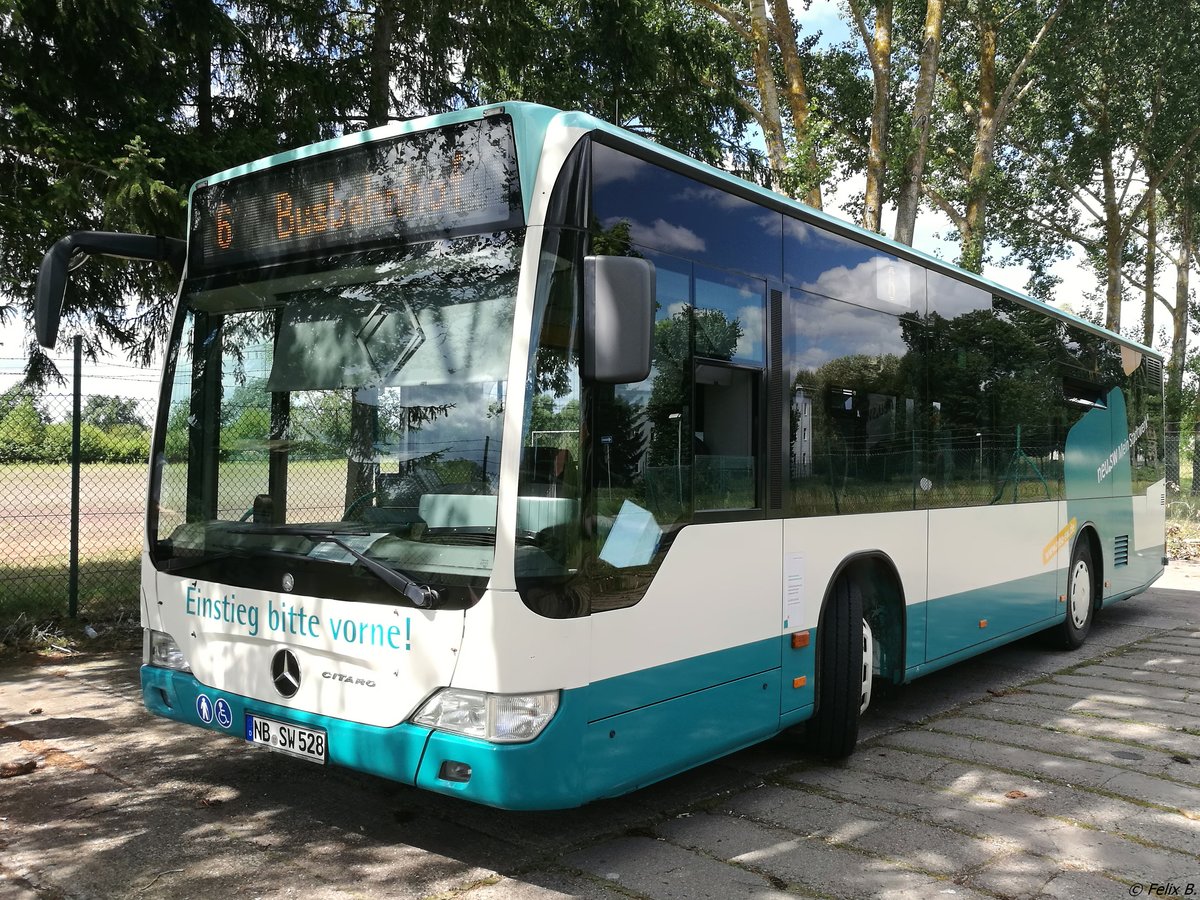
x=512, y=456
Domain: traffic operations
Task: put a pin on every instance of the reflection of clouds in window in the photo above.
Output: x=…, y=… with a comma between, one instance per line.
x=750, y=344
x=461, y=433
x=673, y=290
x=662, y=235
x=766, y=219
x=863, y=284
x=812, y=358
x=828, y=330
x=676, y=309
x=616, y=167
x=718, y=199
x=800, y=231
x=740, y=301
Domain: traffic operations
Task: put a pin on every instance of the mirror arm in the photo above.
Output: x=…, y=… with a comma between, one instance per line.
x=67, y=253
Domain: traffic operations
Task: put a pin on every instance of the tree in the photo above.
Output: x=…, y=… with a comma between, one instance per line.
x=879, y=53
x=656, y=67
x=106, y=411
x=21, y=431
x=913, y=172
x=770, y=44
x=987, y=53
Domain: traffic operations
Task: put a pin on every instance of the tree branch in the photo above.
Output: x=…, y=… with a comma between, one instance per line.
x=735, y=20
x=1006, y=99
x=860, y=22
x=959, y=220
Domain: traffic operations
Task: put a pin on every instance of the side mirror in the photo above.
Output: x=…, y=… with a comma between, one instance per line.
x=618, y=318
x=70, y=252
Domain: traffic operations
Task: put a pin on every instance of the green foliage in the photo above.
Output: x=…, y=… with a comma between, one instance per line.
x=106, y=411
x=21, y=432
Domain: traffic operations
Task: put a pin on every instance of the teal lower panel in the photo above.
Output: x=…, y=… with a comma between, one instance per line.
x=645, y=745
x=388, y=752
x=614, y=696
x=798, y=663
x=575, y=761
x=953, y=622
x=1145, y=566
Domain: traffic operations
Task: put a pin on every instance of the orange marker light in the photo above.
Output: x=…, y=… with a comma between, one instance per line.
x=799, y=640
x=983, y=623
x=800, y=682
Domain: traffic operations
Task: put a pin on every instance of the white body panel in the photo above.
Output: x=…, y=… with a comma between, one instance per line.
x=719, y=587
x=507, y=648
x=984, y=546
x=824, y=543
x=1149, y=517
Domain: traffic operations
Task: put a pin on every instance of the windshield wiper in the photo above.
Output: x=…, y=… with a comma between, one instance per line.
x=422, y=596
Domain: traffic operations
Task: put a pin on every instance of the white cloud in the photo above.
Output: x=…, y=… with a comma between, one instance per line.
x=662, y=235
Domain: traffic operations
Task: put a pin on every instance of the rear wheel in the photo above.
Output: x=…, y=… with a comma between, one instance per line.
x=1081, y=598
x=843, y=690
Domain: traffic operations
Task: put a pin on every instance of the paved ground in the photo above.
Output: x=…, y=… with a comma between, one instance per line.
x=1024, y=773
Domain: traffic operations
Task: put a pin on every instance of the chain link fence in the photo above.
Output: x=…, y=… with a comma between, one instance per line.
x=35, y=504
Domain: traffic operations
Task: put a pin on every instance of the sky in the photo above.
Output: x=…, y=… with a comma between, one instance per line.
x=115, y=375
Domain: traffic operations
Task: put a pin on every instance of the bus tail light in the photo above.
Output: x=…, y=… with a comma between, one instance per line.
x=499, y=718
x=162, y=651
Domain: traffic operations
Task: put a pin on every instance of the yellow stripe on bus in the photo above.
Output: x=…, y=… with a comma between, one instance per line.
x=1060, y=540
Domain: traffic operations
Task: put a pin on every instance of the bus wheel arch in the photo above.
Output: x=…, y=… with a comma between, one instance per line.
x=884, y=608
x=863, y=608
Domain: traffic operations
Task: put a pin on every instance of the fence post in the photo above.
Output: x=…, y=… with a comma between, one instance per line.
x=73, y=575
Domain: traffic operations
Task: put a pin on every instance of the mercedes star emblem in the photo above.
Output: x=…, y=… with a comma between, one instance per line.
x=285, y=673
x=288, y=582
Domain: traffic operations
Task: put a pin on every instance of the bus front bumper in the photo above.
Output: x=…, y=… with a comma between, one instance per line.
x=542, y=774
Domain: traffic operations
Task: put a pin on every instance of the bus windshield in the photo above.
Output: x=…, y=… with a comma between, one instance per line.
x=314, y=416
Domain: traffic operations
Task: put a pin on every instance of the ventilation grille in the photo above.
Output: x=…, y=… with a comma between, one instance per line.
x=1121, y=550
x=775, y=405
x=1154, y=372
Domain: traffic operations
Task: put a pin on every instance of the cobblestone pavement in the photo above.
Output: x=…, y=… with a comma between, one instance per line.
x=1024, y=773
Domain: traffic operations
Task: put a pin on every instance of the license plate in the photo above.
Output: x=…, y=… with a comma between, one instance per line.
x=307, y=743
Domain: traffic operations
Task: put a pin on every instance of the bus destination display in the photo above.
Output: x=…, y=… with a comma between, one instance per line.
x=446, y=181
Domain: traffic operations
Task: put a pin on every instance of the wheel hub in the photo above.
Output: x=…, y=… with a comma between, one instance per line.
x=1081, y=593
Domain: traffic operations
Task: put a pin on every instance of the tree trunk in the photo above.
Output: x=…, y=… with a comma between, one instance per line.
x=881, y=69
x=1112, y=246
x=981, y=161
x=1179, y=328
x=798, y=101
x=1151, y=266
x=204, y=51
x=764, y=73
x=361, y=467
x=914, y=166
x=379, y=100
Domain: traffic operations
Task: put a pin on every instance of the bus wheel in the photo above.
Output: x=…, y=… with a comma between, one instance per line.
x=1081, y=601
x=841, y=684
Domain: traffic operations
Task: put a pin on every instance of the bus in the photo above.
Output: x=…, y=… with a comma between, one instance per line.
x=510, y=455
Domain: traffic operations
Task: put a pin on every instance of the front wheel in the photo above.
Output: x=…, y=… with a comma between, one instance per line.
x=843, y=646
x=1081, y=598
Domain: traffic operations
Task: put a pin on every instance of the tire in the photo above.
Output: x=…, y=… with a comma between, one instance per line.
x=833, y=730
x=1081, y=598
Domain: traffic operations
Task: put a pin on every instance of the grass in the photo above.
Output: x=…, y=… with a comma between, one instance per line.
x=108, y=588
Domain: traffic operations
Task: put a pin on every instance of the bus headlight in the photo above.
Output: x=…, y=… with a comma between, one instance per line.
x=499, y=718
x=164, y=652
